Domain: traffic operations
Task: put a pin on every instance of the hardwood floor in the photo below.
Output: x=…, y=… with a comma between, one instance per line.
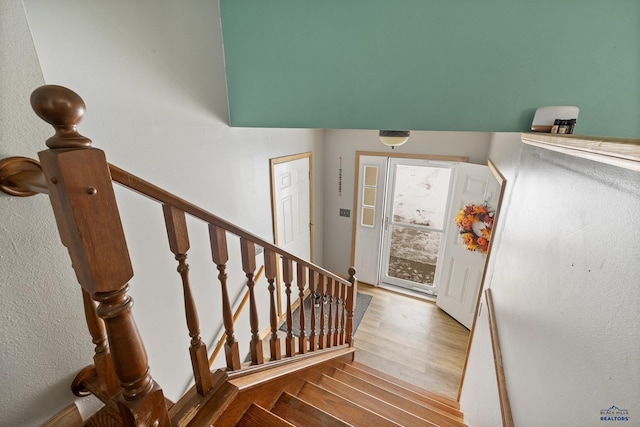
x=413, y=340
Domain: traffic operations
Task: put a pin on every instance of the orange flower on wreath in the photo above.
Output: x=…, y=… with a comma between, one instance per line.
x=466, y=218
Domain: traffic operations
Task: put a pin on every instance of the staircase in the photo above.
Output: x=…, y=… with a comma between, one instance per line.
x=306, y=380
x=352, y=394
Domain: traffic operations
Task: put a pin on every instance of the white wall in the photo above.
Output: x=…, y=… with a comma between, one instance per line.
x=345, y=143
x=152, y=76
x=504, y=152
x=40, y=295
x=564, y=281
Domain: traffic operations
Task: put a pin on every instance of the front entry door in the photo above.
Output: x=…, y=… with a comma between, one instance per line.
x=461, y=272
x=415, y=221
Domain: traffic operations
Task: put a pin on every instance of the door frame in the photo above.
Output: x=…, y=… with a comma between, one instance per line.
x=354, y=225
x=502, y=182
x=274, y=219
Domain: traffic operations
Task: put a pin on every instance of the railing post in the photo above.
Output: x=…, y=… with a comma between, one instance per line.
x=248, y=252
x=313, y=288
x=86, y=212
x=322, y=290
x=287, y=277
x=351, y=304
x=330, y=329
x=219, y=253
x=270, y=272
x=301, y=281
x=343, y=314
x=176, y=224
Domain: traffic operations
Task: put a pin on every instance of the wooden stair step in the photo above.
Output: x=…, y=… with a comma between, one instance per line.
x=104, y=418
x=303, y=414
x=423, y=411
x=449, y=402
x=372, y=403
x=346, y=410
x=68, y=417
x=257, y=416
x=401, y=390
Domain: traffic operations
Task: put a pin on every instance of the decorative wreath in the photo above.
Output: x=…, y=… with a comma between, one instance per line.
x=475, y=223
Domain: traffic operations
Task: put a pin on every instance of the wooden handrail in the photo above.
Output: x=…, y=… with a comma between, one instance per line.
x=153, y=192
x=505, y=406
x=23, y=176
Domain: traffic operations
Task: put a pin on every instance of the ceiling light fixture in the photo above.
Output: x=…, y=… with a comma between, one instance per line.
x=394, y=138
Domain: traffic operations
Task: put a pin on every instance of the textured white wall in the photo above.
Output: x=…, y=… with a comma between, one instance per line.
x=504, y=152
x=564, y=281
x=344, y=143
x=40, y=296
x=152, y=75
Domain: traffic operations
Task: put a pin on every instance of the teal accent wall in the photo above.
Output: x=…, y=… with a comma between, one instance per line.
x=465, y=65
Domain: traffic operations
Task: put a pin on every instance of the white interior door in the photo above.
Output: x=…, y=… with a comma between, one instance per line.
x=292, y=209
x=461, y=272
x=372, y=172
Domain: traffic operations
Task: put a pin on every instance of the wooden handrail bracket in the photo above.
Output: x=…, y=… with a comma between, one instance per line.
x=505, y=406
x=22, y=177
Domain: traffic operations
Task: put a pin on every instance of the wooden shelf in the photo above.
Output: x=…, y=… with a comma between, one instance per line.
x=619, y=152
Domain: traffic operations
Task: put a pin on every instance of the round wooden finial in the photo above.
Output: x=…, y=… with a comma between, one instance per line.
x=63, y=109
x=352, y=271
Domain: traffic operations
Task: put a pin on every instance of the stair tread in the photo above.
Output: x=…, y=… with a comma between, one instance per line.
x=346, y=410
x=372, y=403
x=213, y=406
x=244, y=380
x=401, y=390
x=421, y=410
x=103, y=418
x=303, y=414
x=452, y=403
x=258, y=416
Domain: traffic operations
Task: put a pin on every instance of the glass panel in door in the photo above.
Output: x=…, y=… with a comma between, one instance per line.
x=416, y=211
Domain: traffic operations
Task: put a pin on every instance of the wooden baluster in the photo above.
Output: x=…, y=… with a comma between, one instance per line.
x=322, y=338
x=302, y=281
x=270, y=272
x=287, y=277
x=330, y=329
x=343, y=296
x=338, y=308
x=351, y=305
x=85, y=209
x=248, y=250
x=102, y=357
x=313, y=286
x=218, y=238
x=176, y=224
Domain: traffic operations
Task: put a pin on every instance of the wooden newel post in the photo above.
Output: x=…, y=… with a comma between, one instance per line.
x=85, y=209
x=351, y=305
